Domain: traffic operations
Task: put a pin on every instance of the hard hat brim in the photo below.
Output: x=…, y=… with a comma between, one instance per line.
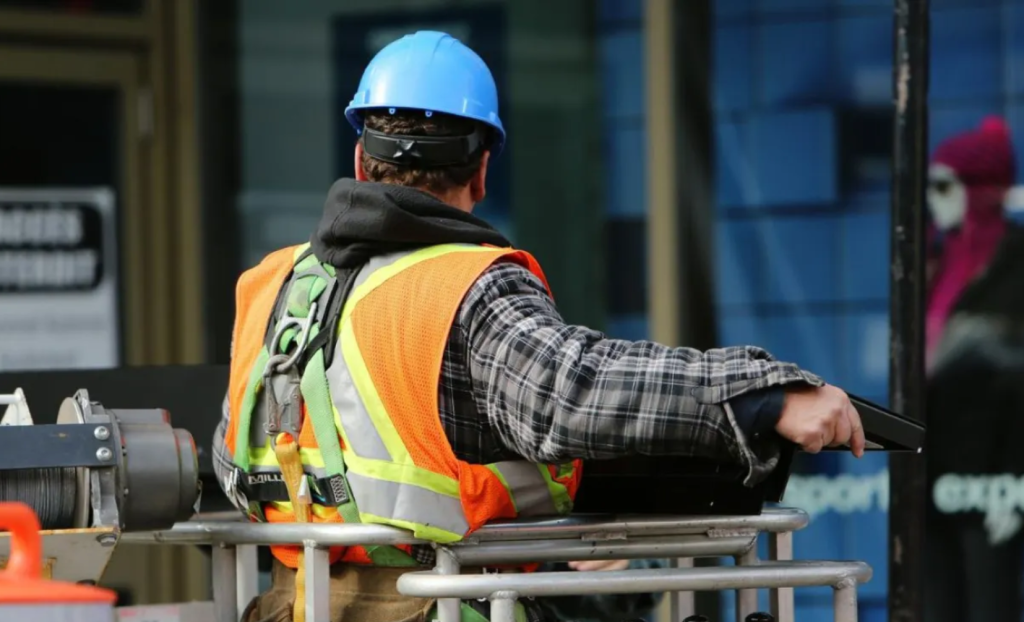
x=354, y=115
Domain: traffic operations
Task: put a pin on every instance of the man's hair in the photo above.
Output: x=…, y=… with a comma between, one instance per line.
x=439, y=180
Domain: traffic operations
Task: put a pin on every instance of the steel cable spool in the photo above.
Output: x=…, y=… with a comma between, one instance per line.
x=95, y=467
x=51, y=493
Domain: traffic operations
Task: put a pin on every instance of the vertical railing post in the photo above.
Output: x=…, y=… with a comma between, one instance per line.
x=845, y=601
x=780, y=548
x=448, y=609
x=247, y=575
x=503, y=606
x=318, y=582
x=908, y=494
x=225, y=584
x=683, y=604
x=746, y=599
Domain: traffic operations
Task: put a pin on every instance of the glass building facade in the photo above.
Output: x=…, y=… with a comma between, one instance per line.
x=803, y=112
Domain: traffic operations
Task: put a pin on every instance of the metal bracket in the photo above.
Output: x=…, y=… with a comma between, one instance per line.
x=57, y=446
x=97, y=487
x=17, y=412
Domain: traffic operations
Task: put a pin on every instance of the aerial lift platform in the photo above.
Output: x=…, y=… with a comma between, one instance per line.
x=100, y=477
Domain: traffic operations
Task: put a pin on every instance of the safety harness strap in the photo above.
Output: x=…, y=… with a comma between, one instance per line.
x=270, y=487
x=321, y=411
x=252, y=388
x=309, y=303
x=287, y=451
x=316, y=392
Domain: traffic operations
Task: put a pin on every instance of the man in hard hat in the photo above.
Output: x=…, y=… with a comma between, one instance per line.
x=407, y=367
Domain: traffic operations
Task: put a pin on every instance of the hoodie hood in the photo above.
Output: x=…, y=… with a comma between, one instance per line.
x=365, y=219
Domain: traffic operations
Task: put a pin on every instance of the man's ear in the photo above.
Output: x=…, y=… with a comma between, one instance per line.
x=478, y=184
x=360, y=173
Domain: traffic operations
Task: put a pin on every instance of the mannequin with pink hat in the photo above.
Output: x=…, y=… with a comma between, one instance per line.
x=975, y=359
x=969, y=179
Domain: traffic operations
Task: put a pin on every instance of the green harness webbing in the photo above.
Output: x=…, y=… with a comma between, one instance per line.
x=311, y=283
x=320, y=408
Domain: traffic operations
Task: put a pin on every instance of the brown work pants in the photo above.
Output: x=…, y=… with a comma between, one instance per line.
x=358, y=594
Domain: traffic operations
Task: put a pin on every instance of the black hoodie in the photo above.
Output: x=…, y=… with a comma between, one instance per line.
x=364, y=219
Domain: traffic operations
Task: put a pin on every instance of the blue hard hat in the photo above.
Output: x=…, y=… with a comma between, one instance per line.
x=433, y=72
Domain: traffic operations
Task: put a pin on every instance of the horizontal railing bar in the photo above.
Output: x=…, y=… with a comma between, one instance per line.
x=771, y=520
x=568, y=550
x=584, y=527
x=773, y=575
x=238, y=532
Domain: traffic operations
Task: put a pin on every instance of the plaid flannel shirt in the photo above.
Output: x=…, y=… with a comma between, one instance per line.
x=518, y=382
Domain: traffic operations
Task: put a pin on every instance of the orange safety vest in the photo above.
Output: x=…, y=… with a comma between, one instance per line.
x=367, y=430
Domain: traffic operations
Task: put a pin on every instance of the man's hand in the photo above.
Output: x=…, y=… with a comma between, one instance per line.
x=607, y=564
x=819, y=417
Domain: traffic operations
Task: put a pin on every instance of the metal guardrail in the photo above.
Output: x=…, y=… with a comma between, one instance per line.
x=575, y=538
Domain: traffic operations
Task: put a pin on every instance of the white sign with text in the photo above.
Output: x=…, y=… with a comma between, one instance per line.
x=58, y=279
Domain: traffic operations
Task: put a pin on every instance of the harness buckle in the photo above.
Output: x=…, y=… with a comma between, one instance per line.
x=280, y=365
x=234, y=487
x=283, y=404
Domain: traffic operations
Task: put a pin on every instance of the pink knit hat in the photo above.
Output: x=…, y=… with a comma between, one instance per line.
x=981, y=157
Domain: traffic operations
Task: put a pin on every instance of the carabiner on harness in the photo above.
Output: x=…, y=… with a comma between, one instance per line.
x=301, y=341
x=283, y=401
x=281, y=363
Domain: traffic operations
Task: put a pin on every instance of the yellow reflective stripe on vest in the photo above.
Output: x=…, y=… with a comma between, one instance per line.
x=385, y=434
x=404, y=474
x=527, y=487
x=384, y=273
x=359, y=433
x=559, y=493
x=384, y=431
x=410, y=504
x=424, y=532
x=265, y=457
x=321, y=512
x=388, y=486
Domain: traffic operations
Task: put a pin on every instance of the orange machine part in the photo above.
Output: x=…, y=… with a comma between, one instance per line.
x=22, y=583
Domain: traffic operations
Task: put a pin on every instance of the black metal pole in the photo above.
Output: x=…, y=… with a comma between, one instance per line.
x=908, y=492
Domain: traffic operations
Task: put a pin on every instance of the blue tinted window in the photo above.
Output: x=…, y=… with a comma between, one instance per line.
x=796, y=62
x=622, y=68
x=794, y=157
x=965, y=61
x=732, y=58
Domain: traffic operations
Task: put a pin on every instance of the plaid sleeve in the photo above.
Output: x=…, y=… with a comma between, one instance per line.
x=555, y=392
